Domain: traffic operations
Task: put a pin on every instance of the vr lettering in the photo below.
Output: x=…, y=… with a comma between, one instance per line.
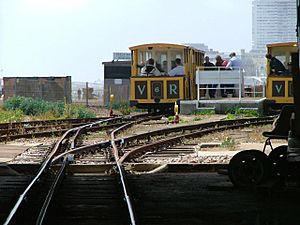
x=173, y=89
x=141, y=89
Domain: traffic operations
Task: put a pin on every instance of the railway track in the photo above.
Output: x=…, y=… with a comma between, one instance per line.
x=51, y=181
x=43, y=128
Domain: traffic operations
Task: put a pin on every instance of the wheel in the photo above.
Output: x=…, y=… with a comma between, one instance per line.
x=248, y=168
x=278, y=161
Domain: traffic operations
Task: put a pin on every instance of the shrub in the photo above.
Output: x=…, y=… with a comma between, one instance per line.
x=238, y=112
x=41, y=108
x=78, y=111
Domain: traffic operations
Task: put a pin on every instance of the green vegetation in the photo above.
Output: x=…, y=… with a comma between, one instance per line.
x=123, y=107
x=11, y=116
x=171, y=119
x=197, y=119
x=234, y=113
x=229, y=143
x=204, y=112
x=16, y=108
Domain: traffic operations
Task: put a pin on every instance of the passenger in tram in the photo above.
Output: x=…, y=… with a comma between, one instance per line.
x=221, y=65
x=165, y=66
x=178, y=69
x=276, y=66
x=210, y=66
x=149, y=69
x=234, y=62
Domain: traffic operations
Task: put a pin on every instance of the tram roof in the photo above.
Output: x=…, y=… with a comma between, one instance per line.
x=163, y=45
x=283, y=44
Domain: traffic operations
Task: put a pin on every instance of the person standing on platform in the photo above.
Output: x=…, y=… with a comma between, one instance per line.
x=221, y=65
x=233, y=64
x=210, y=66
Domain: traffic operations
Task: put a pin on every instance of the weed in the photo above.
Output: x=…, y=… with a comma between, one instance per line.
x=8, y=116
x=171, y=118
x=229, y=143
x=230, y=117
x=123, y=107
x=238, y=112
x=197, y=119
x=204, y=112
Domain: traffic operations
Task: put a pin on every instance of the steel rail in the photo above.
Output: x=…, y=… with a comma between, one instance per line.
x=4, y=126
x=103, y=144
x=184, y=128
x=146, y=135
x=58, y=179
x=52, y=132
x=123, y=175
x=45, y=166
x=139, y=150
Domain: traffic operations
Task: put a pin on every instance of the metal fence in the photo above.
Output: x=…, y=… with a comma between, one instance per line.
x=87, y=93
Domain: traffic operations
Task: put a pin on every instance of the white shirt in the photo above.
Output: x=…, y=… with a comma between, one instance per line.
x=154, y=71
x=234, y=63
x=178, y=70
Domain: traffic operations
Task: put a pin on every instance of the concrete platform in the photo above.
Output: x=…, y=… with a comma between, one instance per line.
x=8, y=152
x=220, y=106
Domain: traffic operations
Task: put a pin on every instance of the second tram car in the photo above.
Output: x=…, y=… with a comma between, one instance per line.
x=160, y=92
x=279, y=89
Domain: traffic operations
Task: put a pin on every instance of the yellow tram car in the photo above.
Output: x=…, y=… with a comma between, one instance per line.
x=279, y=89
x=160, y=92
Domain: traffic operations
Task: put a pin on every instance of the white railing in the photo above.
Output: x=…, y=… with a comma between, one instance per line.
x=221, y=77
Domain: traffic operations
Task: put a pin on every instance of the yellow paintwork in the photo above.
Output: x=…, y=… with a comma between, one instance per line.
x=192, y=57
x=280, y=49
x=279, y=99
x=161, y=45
x=149, y=79
x=285, y=44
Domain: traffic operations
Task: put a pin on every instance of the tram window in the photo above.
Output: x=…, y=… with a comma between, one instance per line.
x=142, y=60
x=174, y=55
x=162, y=62
x=284, y=59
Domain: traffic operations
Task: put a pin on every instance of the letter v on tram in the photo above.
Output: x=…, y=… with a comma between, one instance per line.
x=159, y=91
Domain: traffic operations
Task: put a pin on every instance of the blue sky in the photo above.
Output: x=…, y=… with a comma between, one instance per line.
x=74, y=37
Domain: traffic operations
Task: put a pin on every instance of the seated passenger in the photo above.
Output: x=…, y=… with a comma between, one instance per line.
x=276, y=67
x=150, y=69
x=178, y=69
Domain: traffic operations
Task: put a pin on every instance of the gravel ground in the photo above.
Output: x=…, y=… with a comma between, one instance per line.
x=214, y=148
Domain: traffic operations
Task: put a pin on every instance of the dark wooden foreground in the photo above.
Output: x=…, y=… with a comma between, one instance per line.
x=166, y=198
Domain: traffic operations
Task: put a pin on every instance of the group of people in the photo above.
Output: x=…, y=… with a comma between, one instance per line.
x=233, y=64
x=150, y=69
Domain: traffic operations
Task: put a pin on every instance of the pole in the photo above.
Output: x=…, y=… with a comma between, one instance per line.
x=87, y=94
